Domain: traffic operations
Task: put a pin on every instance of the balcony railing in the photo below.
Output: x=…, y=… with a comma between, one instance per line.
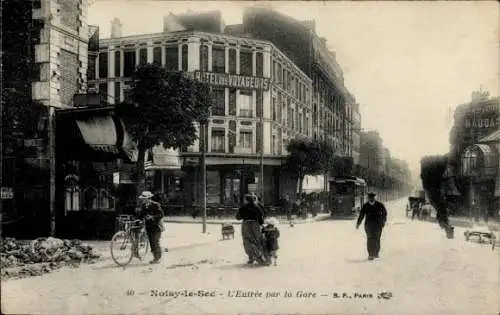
x=243, y=150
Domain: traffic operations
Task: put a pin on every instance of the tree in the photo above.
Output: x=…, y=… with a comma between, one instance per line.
x=432, y=169
x=162, y=108
x=308, y=157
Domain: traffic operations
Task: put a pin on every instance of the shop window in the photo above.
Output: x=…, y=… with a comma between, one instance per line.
x=143, y=56
x=232, y=61
x=172, y=58
x=72, y=199
x=246, y=139
x=218, y=105
x=105, y=200
x=246, y=67
x=184, y=57
x=213, y=187
x=218, y=140
x=259, y=64
x=218, y=60
x=129, y=63
x=103, y=65
x=90, y=196
x=245, y=103
x=204, y=58
x=157, y=55
x=117, y=64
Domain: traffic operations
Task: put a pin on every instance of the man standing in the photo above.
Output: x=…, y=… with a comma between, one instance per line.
x=376, y=215
x=151, y=211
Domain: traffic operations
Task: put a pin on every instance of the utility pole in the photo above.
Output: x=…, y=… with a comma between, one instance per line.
x=52, y=170
x=261, y=172
x=204, y=175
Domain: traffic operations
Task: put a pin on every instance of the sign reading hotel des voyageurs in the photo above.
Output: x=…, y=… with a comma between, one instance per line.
x=231, y=80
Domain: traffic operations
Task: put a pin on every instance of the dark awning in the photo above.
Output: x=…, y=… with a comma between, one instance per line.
x=99, y=133
x=96, y=133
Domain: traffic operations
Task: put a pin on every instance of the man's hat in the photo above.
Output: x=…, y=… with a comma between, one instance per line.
x=371, y=194
x=146, y=195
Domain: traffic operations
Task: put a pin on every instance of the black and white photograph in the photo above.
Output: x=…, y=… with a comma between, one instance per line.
x=250, y=157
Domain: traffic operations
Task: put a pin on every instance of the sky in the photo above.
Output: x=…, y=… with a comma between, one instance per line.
x=408, y=64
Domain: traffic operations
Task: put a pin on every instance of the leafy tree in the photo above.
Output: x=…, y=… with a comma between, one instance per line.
x=432, y=169
x=308, y=157
x=162, y=109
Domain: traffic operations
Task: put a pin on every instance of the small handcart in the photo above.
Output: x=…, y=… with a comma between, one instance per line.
x=481, y=234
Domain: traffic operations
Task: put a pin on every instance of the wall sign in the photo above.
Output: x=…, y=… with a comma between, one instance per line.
x=232, y=80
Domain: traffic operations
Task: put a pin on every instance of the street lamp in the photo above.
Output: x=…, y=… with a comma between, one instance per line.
x=204, y=176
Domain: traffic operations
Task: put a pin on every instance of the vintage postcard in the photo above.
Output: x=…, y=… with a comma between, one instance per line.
x=239, y=157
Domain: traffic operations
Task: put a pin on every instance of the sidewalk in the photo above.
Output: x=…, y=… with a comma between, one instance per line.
x=465, y=222
x=219, y=221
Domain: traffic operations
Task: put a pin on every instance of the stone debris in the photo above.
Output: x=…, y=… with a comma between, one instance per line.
x=21, y=258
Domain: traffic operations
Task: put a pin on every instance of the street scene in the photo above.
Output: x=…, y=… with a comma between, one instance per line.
x=162, y=157
x=431, y=275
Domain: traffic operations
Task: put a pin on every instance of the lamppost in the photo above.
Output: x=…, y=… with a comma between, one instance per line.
x=204, y=176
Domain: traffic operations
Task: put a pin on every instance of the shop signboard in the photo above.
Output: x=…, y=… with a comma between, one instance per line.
x=6, y=193
x=232, y=80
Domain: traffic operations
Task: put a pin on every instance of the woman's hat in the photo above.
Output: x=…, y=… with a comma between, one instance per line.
x=371, y=194
x=146, y=195
x=272, y=221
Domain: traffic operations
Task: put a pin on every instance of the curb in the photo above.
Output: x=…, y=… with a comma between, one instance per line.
x=235, y=222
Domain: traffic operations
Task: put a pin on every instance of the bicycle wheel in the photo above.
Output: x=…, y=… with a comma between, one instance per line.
x=121, y=248
x=142, y=244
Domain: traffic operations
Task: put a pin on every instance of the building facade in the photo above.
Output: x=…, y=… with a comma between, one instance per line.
x=474, y=156
x=335, y=112
x=256, y=111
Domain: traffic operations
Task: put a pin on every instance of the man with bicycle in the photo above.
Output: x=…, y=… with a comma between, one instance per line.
x=151, y=211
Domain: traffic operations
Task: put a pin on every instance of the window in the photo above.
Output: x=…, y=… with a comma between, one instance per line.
x=259, y=100
x=172, y=58
x=105, y=200
x=259, y=64
x=117, y=92
x=143, y=56
x=103, y=92
x=184, y=57
x=204, y=58
x=103, y=65
x=246, y=63
x=218, y=140
x=232, y=61
x=218, y=105
x=273, y=71
x=246, y=139
x=117, y=63
x=275, y=113
x=280, y=75
x=285, y=79
x=273, y=145
x=129, y=63
x=218, y=60
x=157, y=55
x=72, y=199
x=245, y=102
x=232, y=102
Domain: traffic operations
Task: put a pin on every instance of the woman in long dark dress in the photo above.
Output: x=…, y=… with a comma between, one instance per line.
x=253, y=218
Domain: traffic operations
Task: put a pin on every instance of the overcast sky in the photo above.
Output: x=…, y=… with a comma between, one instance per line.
x=407, y=63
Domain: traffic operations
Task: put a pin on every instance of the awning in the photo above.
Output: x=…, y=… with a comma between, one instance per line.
x=492, y=137
x=164, y=159
x=129, y=147
x=99, y=133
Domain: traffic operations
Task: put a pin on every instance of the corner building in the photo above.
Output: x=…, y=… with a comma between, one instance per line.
x=256, y=111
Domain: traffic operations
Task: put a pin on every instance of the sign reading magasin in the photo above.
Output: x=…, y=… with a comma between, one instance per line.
x=232, y=80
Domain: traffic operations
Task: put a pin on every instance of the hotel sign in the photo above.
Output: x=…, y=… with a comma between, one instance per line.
x=232, y=80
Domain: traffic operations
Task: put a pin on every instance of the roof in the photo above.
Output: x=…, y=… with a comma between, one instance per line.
x=493, y=137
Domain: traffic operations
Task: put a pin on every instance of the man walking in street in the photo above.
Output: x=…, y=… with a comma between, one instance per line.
x=375, y=216
x=151, y=211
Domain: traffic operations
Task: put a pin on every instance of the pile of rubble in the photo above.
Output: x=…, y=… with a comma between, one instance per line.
x=36, y=257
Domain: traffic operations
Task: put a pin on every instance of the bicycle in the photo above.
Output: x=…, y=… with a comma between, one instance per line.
x=131, y=232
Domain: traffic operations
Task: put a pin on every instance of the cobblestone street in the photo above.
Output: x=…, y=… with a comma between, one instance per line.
x=425, y=273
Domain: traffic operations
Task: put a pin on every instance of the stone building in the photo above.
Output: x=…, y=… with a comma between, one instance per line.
x=257, y=110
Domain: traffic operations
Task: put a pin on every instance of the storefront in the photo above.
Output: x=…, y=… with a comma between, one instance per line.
x=479, y=167
x=94, y=181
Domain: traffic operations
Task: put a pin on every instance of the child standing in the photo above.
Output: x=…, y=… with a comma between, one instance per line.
x=271, y=234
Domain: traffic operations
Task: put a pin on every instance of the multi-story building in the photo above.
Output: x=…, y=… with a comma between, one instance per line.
x=333, y=107
x=262, y=100
x=45, y=58
x=474, y=157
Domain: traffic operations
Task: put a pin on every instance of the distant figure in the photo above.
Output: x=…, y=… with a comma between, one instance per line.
x=376, y=216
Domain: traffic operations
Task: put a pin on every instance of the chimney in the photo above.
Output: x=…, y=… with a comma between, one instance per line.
x=116, y=28
x=172, y=24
